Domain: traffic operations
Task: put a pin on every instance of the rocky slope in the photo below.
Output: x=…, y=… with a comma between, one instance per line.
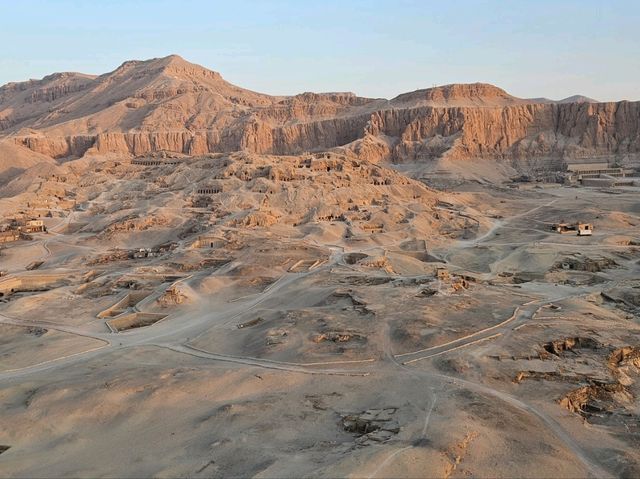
x=171, y=104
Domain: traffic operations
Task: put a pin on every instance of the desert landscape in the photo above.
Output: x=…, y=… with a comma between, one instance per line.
x=198, y=280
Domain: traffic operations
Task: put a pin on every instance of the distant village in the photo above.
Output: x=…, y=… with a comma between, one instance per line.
x=20, y=229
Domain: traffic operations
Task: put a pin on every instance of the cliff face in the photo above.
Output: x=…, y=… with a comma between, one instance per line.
x=170, y=104
x=57, y=147
x=513, y=132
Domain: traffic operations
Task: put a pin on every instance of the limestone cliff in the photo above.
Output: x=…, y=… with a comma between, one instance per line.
x=170, y=104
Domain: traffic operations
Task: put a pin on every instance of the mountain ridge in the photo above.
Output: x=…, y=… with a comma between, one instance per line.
x=171, y=104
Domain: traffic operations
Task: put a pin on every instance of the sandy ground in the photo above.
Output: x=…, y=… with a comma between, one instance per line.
x=277, y=335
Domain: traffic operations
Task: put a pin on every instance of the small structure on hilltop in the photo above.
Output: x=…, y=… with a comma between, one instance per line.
x=443, y=274
x=581, y=229
x=585, y=229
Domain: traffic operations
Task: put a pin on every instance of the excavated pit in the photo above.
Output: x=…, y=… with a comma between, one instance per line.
x=366, y=280
x=547, y=376
x=36, y=331
x=625, y=299
x=558, y=347
x=352, y=300
x=31, y=284
x=338, y=337
x=124, y=304
x=353, y=258
x=627, y=356
x=133, y=321
x=305, y=265
x=605, y=395
x=597, y=399
x=248, y=324
x=372, y=426
x=584, y=263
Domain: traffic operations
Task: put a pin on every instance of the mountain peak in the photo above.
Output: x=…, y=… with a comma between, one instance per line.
x=174, y=65
x=459, y=94
x=173, y=61
x=578, y=99
x=174, y=57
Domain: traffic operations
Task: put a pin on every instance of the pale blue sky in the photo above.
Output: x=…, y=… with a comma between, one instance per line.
x=373, y=48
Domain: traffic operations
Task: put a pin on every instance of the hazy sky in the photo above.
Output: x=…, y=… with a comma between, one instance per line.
x=373, y=48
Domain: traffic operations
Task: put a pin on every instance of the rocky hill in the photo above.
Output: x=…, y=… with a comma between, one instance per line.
x=171, y=104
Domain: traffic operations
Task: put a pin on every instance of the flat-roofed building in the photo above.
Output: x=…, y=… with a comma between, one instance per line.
x=34, y=226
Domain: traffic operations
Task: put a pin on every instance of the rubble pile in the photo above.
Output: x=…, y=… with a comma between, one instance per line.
x=372, y=426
